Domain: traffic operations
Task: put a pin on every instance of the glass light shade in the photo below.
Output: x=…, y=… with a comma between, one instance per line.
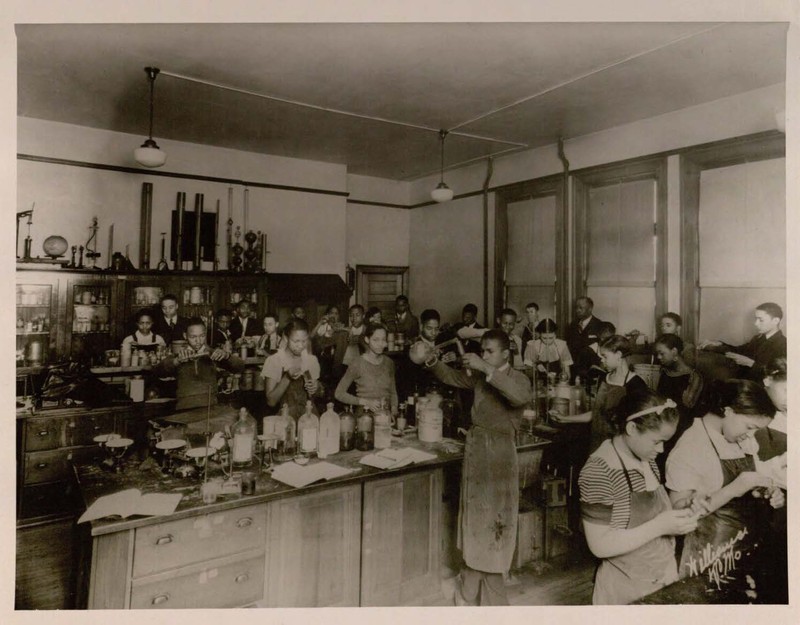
x=150, y=155
x=442, y=193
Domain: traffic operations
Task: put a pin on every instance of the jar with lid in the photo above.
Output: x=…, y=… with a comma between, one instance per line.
x=243, y=437
x=347, y=431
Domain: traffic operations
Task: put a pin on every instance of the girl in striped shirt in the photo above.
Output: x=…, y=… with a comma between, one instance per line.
x=627, y=516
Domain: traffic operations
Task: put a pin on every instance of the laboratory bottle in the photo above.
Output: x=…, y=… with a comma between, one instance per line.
x=243, y=437
x=383, y=427
x=286, y=428
x=365, y=435
x=307, y=431
x=328, y=433
x=347, y=431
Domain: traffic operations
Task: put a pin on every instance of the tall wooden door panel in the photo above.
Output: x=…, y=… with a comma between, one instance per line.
x=380, y=286
x=314, y=546
x=400, y=535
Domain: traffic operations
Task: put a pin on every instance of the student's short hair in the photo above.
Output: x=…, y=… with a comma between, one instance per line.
x=270, y=315
x=373, y=310
x=532, y=305
x=776, y=369
x=195, y=321
x=144, y=312
x=617, y=343
x=294, y=325
x=772, y=309
x=546, y=326
x=744, y=397
x=497, y=335
x=331, y=308
x=242, y=302
x=670, y=341
x=356, y=307
x=429, y=314
x=606, y=327
x=507, y=311
x=372, y=328
x=470, y=308
x=586, y=299
x=169, y=296
x=224, y=312
x=401, y=298
x=674, y=317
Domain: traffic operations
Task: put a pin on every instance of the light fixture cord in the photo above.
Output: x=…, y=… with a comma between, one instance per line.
x=442, y=135
x=152, y=85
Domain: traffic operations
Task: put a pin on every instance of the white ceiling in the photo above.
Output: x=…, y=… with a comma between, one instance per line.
x=501, y=84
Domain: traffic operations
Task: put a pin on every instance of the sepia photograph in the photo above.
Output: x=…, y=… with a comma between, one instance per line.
x=350, y=313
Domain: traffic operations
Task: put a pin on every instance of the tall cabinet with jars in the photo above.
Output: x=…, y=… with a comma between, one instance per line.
x=37, y=309
x=92, y=318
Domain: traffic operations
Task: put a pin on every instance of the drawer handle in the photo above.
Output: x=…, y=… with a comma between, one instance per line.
x=44, y=432
x=159, y=599
x=244, y=522
x=164, y=540
x=242, y=578
x=41, y=465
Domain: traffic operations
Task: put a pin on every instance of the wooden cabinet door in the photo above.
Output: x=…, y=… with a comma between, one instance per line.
x=314, y=546
x=400, y=534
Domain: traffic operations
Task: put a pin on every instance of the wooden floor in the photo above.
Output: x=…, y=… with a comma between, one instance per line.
x=565, y=581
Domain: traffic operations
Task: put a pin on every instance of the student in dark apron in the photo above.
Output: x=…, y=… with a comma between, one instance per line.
x=143, y=338
x=710, y=471
x=292, y=374
x=627, y=515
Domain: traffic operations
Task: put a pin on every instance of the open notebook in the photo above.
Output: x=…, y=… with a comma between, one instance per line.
x=131, y=502
x=298, y=476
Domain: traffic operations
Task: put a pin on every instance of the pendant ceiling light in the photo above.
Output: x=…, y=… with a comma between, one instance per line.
x=442, y=193
x=150, y=155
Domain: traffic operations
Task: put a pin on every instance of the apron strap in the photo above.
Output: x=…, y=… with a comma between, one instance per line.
x=710, y=440
x=624, y=468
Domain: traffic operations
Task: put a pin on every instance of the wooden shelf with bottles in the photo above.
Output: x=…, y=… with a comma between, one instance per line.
x=36, y=316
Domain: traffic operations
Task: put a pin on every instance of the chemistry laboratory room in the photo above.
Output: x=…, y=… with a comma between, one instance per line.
x=400, y=314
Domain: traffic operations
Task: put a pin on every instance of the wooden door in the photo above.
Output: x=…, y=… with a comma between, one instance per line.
x=400, y=534
x=379, y=286
x=314, y=545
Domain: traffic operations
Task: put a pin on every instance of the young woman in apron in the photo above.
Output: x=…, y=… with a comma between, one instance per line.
x=627, y=515
x=710, y=471
x=548, y=353
x=292, y=374
x=373, y=374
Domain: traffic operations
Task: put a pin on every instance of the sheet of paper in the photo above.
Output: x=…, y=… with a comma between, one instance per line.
x=396, y=458
x=129, y=502
x=298, y=476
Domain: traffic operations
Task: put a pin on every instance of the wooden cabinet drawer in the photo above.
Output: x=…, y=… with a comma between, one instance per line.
x=44, y=433
x=186, y=541
x=55, y=465
x=81, y=430
x=225, y=583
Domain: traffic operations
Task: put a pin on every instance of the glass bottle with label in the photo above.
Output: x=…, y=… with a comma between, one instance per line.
x=347, y=431
x=243, y=437
x=328, y=433
x=307, y=431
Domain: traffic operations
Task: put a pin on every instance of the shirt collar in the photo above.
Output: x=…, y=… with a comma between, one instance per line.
x=585, y=322
x=769, y=335
x=503, y=367
x=779, y=423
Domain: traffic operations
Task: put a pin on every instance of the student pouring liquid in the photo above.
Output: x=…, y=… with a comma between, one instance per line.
x=627, y=516
x=488, y=508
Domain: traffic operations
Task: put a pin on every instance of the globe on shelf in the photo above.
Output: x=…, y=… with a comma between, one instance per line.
x=55, y=246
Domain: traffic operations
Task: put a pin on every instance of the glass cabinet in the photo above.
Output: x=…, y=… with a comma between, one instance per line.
x=35, y=342
x=91, y=318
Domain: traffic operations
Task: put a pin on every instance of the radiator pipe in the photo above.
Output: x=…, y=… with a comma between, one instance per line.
x=489, y=172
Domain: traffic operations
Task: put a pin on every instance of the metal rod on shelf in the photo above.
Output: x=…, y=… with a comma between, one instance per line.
x=216, y=238
x=145, y=225
x=181, y=207
x=198, y=220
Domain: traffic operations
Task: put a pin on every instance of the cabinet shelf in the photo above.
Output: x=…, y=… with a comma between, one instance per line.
x=33, y=305
x=33, y=333
x=94, y=305
x=92, y=332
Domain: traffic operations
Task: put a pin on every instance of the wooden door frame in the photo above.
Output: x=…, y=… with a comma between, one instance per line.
x=648, y=168
x=531, y=189
x=364, y=270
